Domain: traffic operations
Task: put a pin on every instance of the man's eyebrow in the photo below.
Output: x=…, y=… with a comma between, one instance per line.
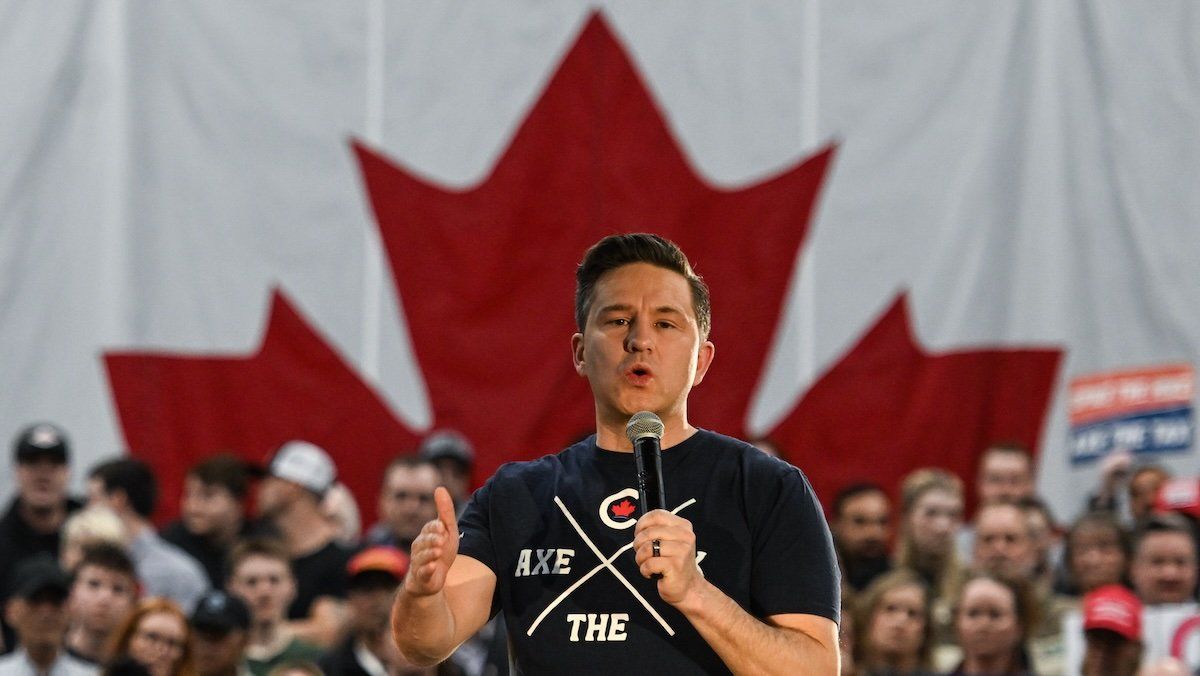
x=615, y=307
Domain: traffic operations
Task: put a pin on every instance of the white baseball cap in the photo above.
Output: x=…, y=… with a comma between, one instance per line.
x=304, y=463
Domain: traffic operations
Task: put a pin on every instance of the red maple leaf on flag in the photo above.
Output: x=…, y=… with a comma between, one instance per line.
x=888, y=407
x=623, y=508
x=487, y=274
x=177, y=409
x=486, y=279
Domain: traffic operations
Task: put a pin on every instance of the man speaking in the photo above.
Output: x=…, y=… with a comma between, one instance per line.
x=736, y=574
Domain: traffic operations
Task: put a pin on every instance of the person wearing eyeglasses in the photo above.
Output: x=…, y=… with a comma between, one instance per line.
x=156, y=636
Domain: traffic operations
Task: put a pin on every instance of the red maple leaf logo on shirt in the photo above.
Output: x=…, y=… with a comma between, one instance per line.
x=486, y=280
x=623, y=508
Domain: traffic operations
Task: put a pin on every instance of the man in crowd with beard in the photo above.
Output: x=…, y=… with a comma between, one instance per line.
x=289, y=500
x=861, y=530
x=34, y=518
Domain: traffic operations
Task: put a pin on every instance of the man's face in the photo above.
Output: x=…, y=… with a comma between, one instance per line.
x=42, y=482
x=934, y=520
x=266, y=586
x=406, y=499
x=370, y=606
x=208, y=507
x=1164, y=568
x=1109, y=654
x=100, y=598
x=217, y=652
x=1004, y=477
x=1143, y=488
x=1003, y=545
x=641, y=347
x=862, y=527
x=39, y=621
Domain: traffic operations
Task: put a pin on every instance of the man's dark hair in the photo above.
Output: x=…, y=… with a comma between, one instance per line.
x=615, y=251
x=133, y=478
x=852, y=491
x=266, y=547
x=225, y=470
x=1163, y=523
x=108, y=556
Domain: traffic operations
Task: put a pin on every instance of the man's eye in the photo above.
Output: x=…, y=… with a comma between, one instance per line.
x=665, y=325
x=619, y=321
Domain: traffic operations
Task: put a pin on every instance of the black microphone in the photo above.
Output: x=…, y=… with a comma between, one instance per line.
x=645, y=432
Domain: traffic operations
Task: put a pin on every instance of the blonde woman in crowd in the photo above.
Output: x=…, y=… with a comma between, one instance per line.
x=892, y=626
x=932, y=514
x=89, y=526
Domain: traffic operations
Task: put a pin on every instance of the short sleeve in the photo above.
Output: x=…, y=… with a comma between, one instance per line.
x=794, y=567
x=475, y=528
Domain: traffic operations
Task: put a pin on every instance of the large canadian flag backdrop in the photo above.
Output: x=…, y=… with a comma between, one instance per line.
x=227, y=225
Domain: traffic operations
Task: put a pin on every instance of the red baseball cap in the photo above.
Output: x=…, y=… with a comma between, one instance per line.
x=1179, y=495
x=1114, y=608
x=382, y=559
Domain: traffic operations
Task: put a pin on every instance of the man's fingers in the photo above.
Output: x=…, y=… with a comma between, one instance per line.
x=445, y=509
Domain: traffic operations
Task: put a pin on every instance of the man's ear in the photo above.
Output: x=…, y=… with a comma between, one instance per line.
x=577, y=352
x=704, y=358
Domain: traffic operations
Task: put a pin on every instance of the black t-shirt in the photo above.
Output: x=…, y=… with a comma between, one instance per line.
x=761, y=538
x=321, y=573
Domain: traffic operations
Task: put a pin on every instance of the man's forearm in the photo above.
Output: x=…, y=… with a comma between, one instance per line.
x=423, y=627
x=748, y=645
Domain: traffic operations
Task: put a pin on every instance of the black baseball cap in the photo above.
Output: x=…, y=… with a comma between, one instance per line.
x=41, y=440
x=221, y=613
x=40, y=576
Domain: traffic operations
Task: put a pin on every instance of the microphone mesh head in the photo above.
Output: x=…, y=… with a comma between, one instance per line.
x=644, y=424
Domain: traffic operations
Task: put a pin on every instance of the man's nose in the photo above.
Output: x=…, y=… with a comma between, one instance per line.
x=638, y=338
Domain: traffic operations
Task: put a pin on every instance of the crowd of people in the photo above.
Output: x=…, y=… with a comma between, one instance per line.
x=997, y=594
x=299, y=587
x=92, y=586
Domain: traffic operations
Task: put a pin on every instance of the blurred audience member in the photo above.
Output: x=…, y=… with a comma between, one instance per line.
x=1003, y=543
x=36, y=609
x=405, y=502
x=1144, y=484
x=1163, y=569
x=127, y=486
x=1112, y=625
x=341, y=511
x=368, y=650
x=220, y=626
x=861, y=528
x=1097, y=553
x=993, y=618
x=932, y=514
x=103, y=592
x=260, y=574
x=892, y=624
x=1006, y=474
x=289, y=498
x=33, y=519
x=454, y=457
x=156, y=636
x=1181, y=496
x=87, y=527
x=1047, y=543
x=212, y=513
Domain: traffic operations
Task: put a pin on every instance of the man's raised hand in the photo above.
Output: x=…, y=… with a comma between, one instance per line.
x=434, y=549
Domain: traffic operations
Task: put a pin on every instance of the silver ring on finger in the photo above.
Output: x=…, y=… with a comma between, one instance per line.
x=656, y=548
